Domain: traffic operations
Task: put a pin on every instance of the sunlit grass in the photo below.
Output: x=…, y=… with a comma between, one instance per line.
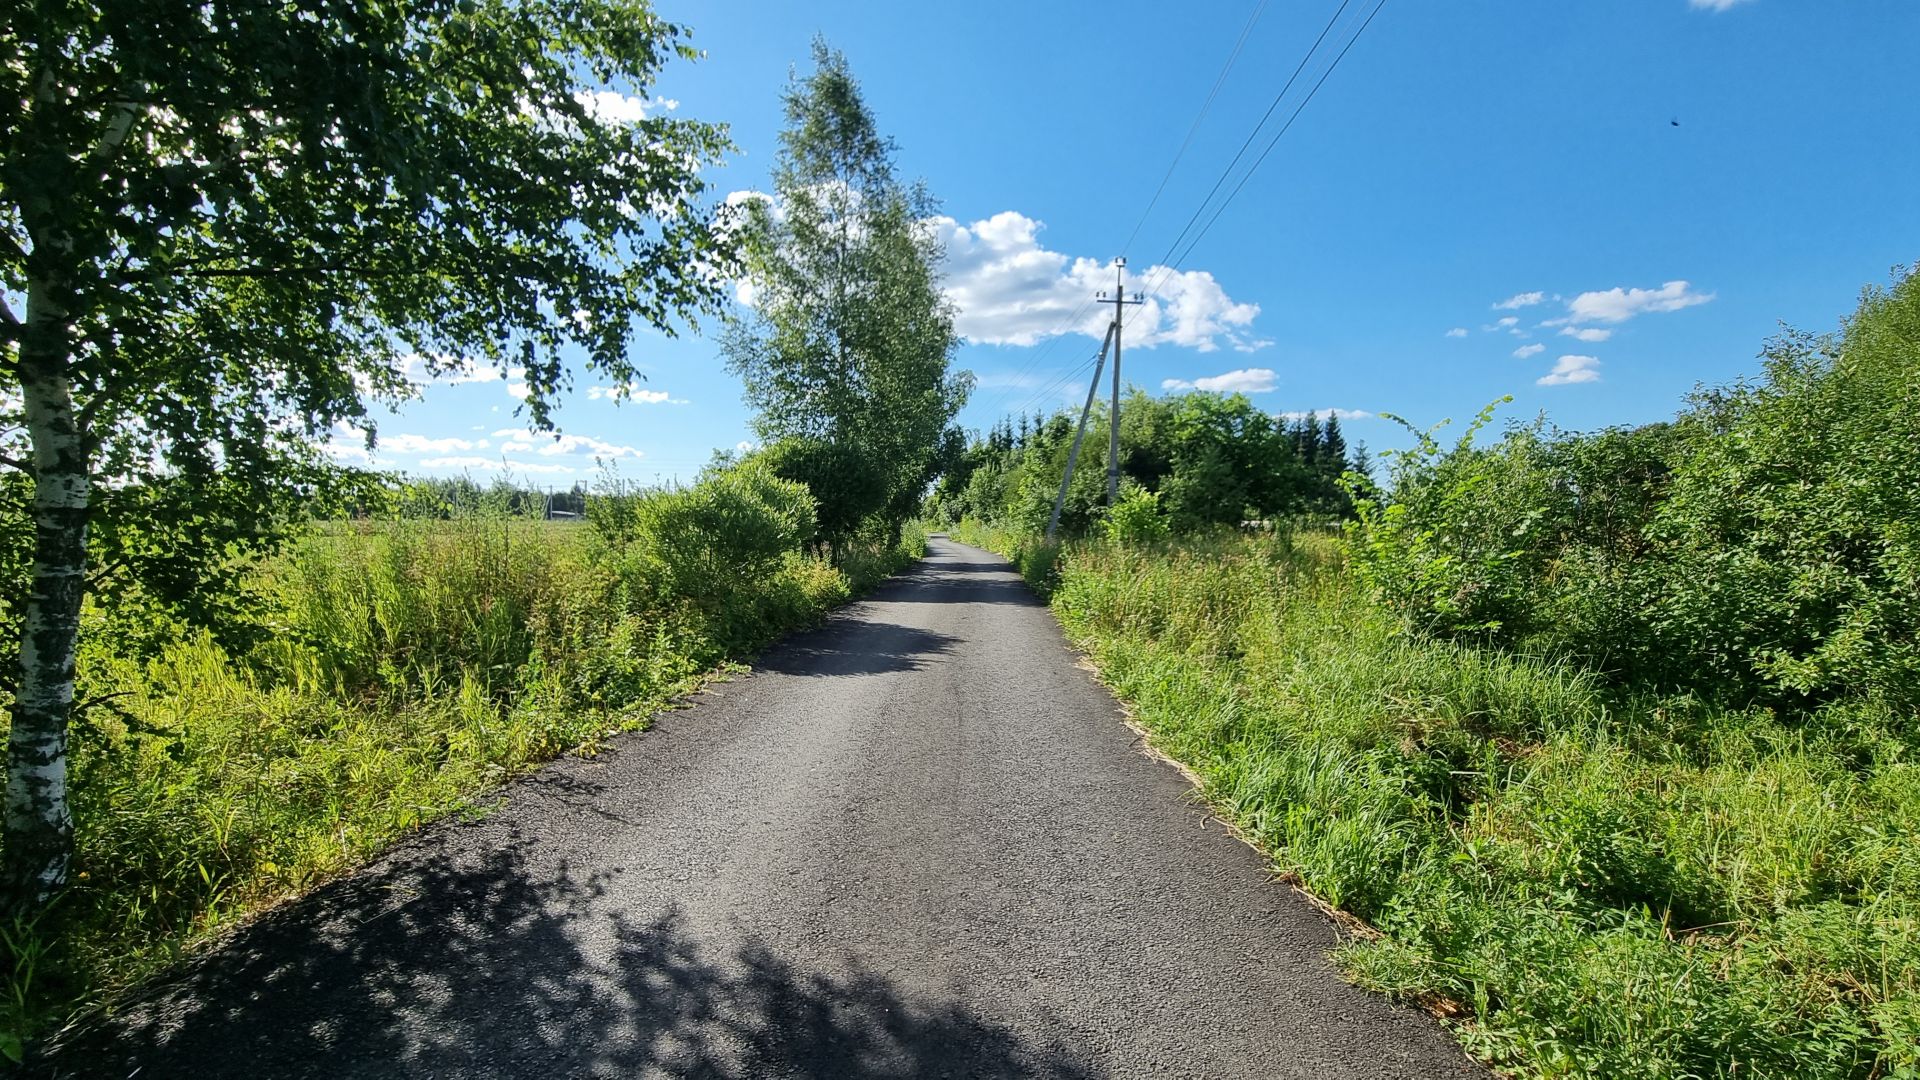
x=413, y=667
x=1604, y=883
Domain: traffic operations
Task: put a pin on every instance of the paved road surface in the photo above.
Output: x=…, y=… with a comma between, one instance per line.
x=916, y=842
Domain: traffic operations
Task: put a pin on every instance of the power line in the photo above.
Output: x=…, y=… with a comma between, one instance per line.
x=1195, y=126
x=1034, y=362
x=1276, y=137
x=1169, y=263
x=1255, y=133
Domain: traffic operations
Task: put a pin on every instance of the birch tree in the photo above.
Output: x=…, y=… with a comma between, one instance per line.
x=225, y=225
x=845, y=349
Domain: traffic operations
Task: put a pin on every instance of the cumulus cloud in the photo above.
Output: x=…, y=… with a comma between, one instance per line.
x=1323, y=414
x=632, y=392
x=1242, y=381
x=420, y=444
x=445, y=368
x=456, y=462
x=1458, y=331
x=1586, y=333
x=1525, y=351
x=1010, y=289
x=1571, y=369
x=613, y=107
x=583, y=444
x=1520, y=300
x=1618, y=305
x=517, y=383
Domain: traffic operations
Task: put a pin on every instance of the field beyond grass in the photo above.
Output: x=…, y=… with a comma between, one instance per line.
x=400, y=672
x=1587, y=881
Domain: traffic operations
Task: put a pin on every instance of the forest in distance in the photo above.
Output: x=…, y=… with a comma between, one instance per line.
x=1605, y=743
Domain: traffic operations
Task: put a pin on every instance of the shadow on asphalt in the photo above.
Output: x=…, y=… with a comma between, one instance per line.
x=479, y=970
x=939, y=581
x=858, y=648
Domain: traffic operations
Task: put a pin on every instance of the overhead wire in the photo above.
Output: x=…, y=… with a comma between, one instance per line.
x=1036, y=361
x=1194, y=127
x=1170, y=262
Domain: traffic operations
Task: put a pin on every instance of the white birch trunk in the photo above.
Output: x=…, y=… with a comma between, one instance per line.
x=39, y=821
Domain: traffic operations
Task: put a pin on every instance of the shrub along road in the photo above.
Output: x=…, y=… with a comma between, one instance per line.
x=918, y=841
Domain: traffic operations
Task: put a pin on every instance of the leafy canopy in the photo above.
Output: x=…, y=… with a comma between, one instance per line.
x=848, y=337
x=247, y=220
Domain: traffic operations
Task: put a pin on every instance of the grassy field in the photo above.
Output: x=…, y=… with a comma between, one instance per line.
x=1587, y=882
x=409, y=668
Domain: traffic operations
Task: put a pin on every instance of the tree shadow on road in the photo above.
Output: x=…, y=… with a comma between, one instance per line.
x=863, y=647
x=938, y=582
x=444, y=967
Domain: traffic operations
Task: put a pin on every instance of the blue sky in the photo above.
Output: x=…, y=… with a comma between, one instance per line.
x=1464, y=154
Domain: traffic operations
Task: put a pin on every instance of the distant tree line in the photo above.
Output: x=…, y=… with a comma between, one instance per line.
x=1203, y=459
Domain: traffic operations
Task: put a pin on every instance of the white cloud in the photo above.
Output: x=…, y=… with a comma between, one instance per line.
x=1571, y=369
x=1618, y=305
x=1525, y=351
x=1520, y=300
x=517, y=383
x=744, y=446
x=444, y=368
x=580, y=444
x=1243, y=381
x=1507, y=323
x=1713, y=5
x=1586, y=333
x=613, y=107
x=1009, y=289
x=1458, y=331
x=456, y=463
x=420, y=444
x=632, y=392
x=535, y=467
x=1344, y=414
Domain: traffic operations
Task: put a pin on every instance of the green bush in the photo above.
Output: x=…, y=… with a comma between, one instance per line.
x=414, y=664
x=1136, y=519
x=1763, y=546
x=1601, y=885
x=734, y=525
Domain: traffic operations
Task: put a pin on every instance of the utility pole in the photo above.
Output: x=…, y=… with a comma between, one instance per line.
x=1073, y=455
x=1119, y=301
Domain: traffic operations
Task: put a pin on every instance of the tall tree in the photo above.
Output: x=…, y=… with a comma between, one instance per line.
x=1333, y=448
x=223, y=225
x=847, y=340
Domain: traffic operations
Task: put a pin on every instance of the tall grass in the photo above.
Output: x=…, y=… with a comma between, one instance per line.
x=1589, y=882
x=415, y=666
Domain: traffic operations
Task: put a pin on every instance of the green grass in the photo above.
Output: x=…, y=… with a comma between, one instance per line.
x=1599, y=883
x=413, y=667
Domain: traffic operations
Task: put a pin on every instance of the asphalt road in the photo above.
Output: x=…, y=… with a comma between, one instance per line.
x=919, y=841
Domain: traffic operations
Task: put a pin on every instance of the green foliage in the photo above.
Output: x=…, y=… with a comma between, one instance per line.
x=416, y=663
x=740, y=522
x=231, y=227
x=1445, y=555
x=1212, y=460
x=1592, y=886
x=844, y=353
x=849, y=484
x=1761, y=547
x=1136, y=519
